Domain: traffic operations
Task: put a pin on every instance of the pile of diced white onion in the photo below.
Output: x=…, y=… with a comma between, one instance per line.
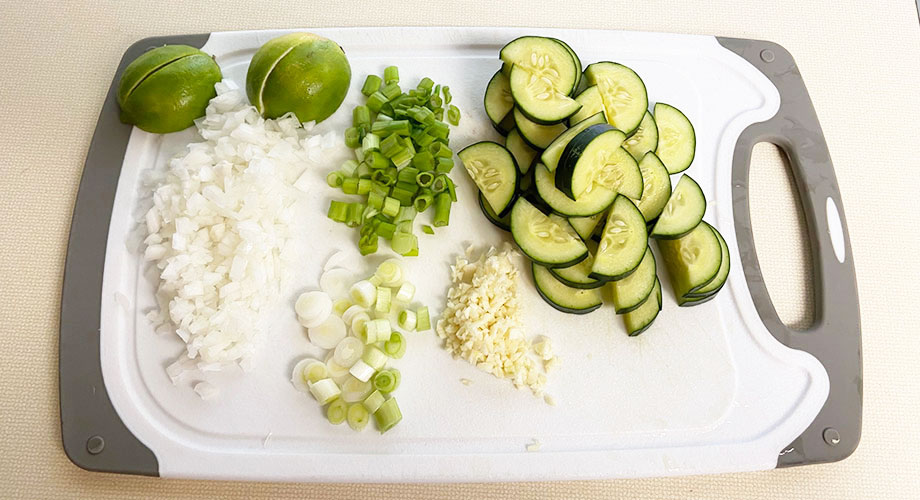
x=218, y=230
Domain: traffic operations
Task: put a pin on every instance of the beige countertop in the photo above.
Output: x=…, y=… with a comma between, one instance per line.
x=860, y=60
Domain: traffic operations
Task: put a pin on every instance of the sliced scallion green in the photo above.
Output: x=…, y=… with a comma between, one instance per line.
x=453, y=115
x=338, y=211
x=376, y=101
x=390, y=206
x=387, y=415
x=404, y=243
x=423, y=322
x=442, y=204
x=387, y=381
x=374, y=357
x=423, y=200
x=373, y=401
x=351, y=137
x=350, y=185
x=427, y=229
x=391, y=75
x=371, y=85
x=336, y=411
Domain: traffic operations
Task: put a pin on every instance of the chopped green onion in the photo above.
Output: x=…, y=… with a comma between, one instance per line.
x=404, y=243
x=373, y=402
x=364, y=186
x=383, y=299
x=445, y=165
x=391, y=91
x=358, y=321
x=390, y=272
x=439, y=113
x=374, y=357
x=335, y=413
x=350, y=185
x=387, y=415
x=357, y=416
x=407, y=320
x=371, y=85
x=453, y=115
x=376, y=160
x=361, y=116
x=425, y=85
x=363, y=293
x=386, y=230
x=447, y=97
x=405, y=293
x=435, y=102
x=451, y=188
x=403, y=196
x=405, y=214
x=367, y=244
x=403, y=157
x=371, y=142
x=385, y=128
x=391, y=75
x=374, y=280
x=424, y=179
x=340, y=306
x=376, y=101
x=407, y=174
x=348, y=168
x=355, y=214
x=395, y=347
x=404, y=226
x=325, y=390
x=427, y=229
x=364, y=171
x=423, y=322
x=390, y=206
x=409, y=186
x=338, y=211
x=387, y=381
x=423, y=160
x=351, y=137
x=375, y=200
x=423, y=200
x=441, y=210
x=378, y=330
x=439, y=185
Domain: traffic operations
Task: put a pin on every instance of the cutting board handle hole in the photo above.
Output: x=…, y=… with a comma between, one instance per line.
x=781, y=236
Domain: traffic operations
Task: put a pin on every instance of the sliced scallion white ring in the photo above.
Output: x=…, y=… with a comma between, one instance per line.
x=313, y=308
x=325, y=390
x=307, y=371
x=364, y=293
x=329, y=333
x=354, y=390
x=406, y=293
x=362, y=371
x=348, y=351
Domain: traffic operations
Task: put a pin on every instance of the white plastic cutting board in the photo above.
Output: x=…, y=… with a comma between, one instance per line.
x=706, y=389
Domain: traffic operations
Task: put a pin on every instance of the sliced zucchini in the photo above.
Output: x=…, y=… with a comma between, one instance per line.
x=523, y=154
x=623, y=242
x=716, y=284
x=495, y=173
x=577, y=276
x=676, y=138
x=547, y=240
x=656, y=187
x=639, y=319
x=562, y=297
x=683, y=211
x=593, y=202
x=535, y=135
x=553, y=151
x=593, y=160
x=543, y=75
x=499, y=222
x=575, y=58
x=692, y=261
x=498, y=103
x=644, y=139
x=585, y=226
x=630, y=292
x=623, y=93
x=591, y=104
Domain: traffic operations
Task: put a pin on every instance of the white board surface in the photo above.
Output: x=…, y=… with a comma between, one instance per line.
x=706, y=389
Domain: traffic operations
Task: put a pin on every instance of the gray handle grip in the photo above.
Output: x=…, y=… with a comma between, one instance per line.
x=93, y=435
x=834, y=338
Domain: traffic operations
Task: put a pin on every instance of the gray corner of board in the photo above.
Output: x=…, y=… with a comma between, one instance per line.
x=92, y=434
x=835, y=338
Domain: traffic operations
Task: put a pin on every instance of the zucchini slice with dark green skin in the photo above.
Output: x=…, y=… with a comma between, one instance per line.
x=585, y=226
x=591, y=104
x=535, y=135
x=623, y=244
x=562, y=297
x=499, y=103
x=543, y=74
x=676, y=138
x=683, y=211
x=692, y=261
x=547, y=240
x=554, y=150
x=630, y=292
x=593, y=160
x=644, y=139
x=656, y=187
x=640, y=319
x=495, y=173
x=623, y=93
x=577, y=276
x=594, y=202
x=523, y=154
x=716, y=284
x=503, y=223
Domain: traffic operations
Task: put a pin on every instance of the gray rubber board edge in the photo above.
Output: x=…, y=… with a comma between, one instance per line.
x=835, y=337
x=88, y=420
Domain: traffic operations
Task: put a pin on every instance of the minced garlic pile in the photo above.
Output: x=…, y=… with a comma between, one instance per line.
x=482, y=322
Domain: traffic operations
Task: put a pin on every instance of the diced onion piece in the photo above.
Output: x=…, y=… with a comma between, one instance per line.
x=325, y=390
x=361, y=370
x=340, y=306
x=373, y=402
x=206, y=390
x=387, y=415
x=313, y=308
x=363, y=293
x=348, y=351
x=335, y=370
x=336, y=412
x=308, y=371
x=335, y=282
x=329, y=333
x=406, y=293
x=390, y=272
x=407, y=320
x=351, y=312
x=354, y=390
x=357, y=416
x=395, y=347
x=383, y=300
x=358, y=322
x=387, y=381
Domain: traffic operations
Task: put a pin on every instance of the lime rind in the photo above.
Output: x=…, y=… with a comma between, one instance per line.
x=265, y=61
x=146, y=64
